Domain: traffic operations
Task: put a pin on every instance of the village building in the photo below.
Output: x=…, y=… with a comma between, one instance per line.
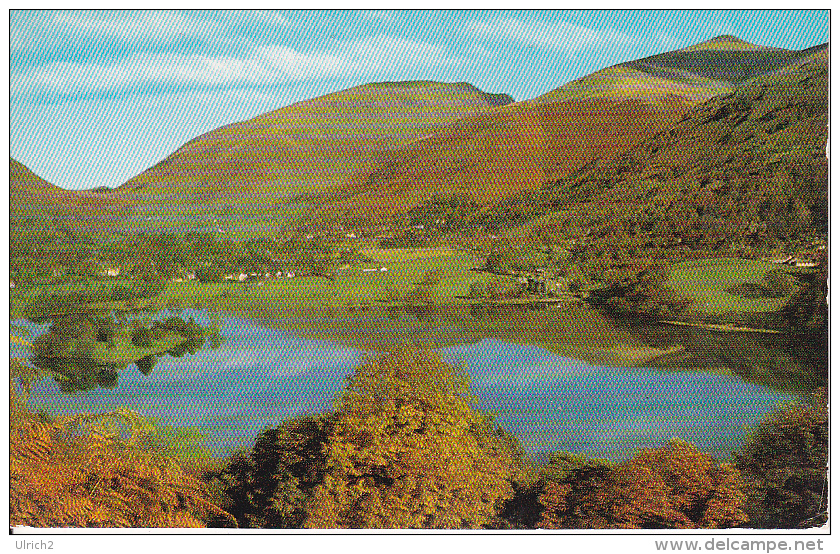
x=110, y=272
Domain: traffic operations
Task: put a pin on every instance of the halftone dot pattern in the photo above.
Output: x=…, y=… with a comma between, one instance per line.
x=263, y=374
x=98, y=97
x=339, y=117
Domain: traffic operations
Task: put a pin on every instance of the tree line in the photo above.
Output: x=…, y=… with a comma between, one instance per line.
x=404, y=448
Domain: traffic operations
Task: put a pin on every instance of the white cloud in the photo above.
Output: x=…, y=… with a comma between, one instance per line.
x=559, y=35
x=265, y=65
x=48, y=31
x=135, y=25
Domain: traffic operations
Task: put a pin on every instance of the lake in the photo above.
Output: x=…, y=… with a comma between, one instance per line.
x=562, y=378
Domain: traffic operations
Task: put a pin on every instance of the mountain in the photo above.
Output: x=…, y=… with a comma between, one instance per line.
x=377, y=151
x=31, y=195
x=307, y=148
x=519, y=147
x=42, y=203
x=23, y=182
x=697, y=72
x=745, y=169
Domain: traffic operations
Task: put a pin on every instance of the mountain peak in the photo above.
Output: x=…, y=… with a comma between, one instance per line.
x=727, y=42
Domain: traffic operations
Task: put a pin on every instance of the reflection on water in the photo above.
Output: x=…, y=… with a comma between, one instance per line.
x=563, y=378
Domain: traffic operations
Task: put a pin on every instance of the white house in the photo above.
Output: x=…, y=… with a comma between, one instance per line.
x=112, y=271
x=383, y=269
x=242, y=277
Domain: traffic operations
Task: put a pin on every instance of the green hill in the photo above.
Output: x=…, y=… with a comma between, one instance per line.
x=746, y=170
x=32, y=196
x=310, y=147
x=502, y=152
x=37, y=207
x=384, y=148
x=23, y=182
x=698, y=72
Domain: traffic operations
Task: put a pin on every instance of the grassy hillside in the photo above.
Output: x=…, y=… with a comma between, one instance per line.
x=30, y=194
x=502, y=152
x=746, y=167
x=35, y=202
x=697, y=72
x=496, y=154
x=23, y=181
x=741, y=175
x=309, y=147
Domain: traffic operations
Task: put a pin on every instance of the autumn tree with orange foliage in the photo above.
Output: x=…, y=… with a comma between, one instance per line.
x=91, y=470
x=676, y=487
x=407, y=450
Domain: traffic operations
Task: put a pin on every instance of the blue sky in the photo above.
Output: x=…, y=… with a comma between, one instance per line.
x=97, y=97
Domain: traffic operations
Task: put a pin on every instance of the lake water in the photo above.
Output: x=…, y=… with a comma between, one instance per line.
x=555, y=379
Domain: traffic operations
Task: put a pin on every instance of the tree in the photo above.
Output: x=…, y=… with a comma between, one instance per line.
x=146, y=364
x=269, y=487
x=636, y=287
x=673, y=487
x=209, y=274
x=785, y=465
x=408, y=450
x=142, y=337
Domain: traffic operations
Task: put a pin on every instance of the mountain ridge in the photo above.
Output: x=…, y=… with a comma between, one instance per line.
x=316, y=138
x=521, y=146
x=745, y=170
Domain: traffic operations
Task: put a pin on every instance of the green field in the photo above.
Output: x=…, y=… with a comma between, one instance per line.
x=706, y=282
x=406, y=268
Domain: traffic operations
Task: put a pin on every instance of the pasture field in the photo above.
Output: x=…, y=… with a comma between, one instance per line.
x=448, y=269
x=707, y=281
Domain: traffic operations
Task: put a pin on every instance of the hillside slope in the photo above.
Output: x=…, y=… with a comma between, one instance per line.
x=698, y=72
x=502, y=152
x=23, y=182
x=34, y=198
x=744, y=170
x=306, y=148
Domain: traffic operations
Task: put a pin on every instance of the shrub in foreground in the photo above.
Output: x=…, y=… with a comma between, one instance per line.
x=676, y=487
